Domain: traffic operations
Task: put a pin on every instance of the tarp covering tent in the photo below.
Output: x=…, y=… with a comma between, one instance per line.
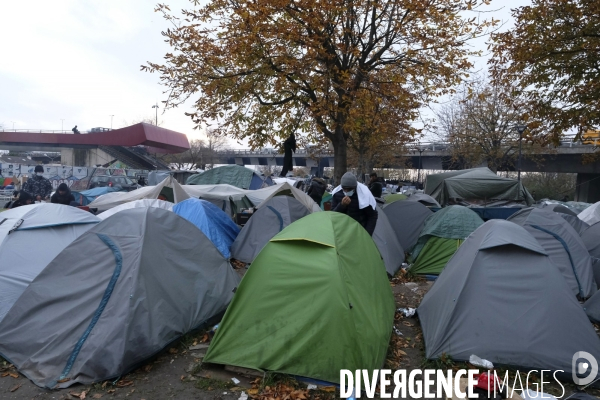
x=316, y=300
x=30, y=237
x=424, y=199
x=144, y=203
x=229, y=199
x=391, y=198
x=169, y=187
x=442, y=235
x=407, y=218
x=387, y=243
x=591, y=215
x=563, y=245
x=276, y=214
x=152, y=277
x=475, y=186
x=235, y=175
x=213, y=222
x=500, y=297
x=85, y=197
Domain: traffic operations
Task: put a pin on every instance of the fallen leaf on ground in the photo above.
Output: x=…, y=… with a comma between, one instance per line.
x=406, y=323
x=15, y=387
x=124, y=383
x=82, y=395
x=75, y=394
x=253, y=392
x=182, y=378
x=173, y=350
x=97, y=396
x=111, y=391
x=329, y=389
x=147, y=368
x=13, y=375
x=104, y=384
x=64, y=380
x=204, y=338
x=5, y=374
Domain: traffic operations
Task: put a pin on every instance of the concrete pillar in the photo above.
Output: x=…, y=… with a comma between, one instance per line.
x=588, y=188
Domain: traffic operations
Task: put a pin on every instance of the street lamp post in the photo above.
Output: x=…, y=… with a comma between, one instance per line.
x=156, y=121
x=111, y=119
x=421, y=151
x=62, y=125
x=520, y=129
x=13, y=122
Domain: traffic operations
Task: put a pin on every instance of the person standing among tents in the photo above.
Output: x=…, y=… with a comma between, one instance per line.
x=63, y=195
x=317, y=189
x=38, y=186
x=355, y=200
x=288, y=146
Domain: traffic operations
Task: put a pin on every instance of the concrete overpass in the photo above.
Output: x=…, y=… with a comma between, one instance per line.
x=567, y=158
x=132, y=145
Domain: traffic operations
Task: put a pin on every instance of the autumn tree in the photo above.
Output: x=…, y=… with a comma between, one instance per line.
x=553, y=55
x=480, y=125
x=260, y=69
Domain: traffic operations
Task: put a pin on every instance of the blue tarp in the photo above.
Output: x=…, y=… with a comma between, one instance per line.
x=213, y=222
x=85, y=197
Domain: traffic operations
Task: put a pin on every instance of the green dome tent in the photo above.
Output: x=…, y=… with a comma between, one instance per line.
x=441, y=236
x=316, y=300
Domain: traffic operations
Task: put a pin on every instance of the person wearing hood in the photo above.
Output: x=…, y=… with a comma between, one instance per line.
x=288, y=163
x=23, y=200
x=347, y=201
x=37, y=186
x=15, y=197
x=316, y=190
x=62, y=195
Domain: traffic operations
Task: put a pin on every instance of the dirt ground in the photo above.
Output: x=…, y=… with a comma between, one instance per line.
x=177, y=373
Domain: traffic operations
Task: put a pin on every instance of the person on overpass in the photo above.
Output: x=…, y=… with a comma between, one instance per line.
x=355, y=200
x=75, y=130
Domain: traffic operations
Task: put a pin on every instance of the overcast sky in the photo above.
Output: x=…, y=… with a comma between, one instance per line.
x=80, y=61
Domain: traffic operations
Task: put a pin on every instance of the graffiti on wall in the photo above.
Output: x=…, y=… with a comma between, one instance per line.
x=77, y=178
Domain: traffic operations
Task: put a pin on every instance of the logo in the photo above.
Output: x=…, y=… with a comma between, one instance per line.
x=584, y=363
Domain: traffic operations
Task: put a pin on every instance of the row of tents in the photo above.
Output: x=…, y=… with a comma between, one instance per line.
x=149, y=271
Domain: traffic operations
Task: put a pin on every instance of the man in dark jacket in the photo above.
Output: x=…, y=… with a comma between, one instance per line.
x=15, y=197
x=346, y=201
x=288, y=146
x=23, y=200
x=317, y=189
x=37, y=186
x=375, y=185
x=62, y=195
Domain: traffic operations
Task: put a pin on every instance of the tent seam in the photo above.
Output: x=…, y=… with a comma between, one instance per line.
x=103, y=302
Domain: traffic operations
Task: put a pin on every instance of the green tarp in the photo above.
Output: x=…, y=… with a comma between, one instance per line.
x=477, y=186
x=233, y=175
x=440, y=237
x=390, y=198
x=315, y=300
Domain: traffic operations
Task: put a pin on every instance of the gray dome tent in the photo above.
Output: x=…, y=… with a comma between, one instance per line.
x=387, y=243
x=270, y=219
x=500, y=297
x=148, y=276
x=30, y=237
x=591, y=240
x=407, y=219
x=563, y=245
x=576, y=223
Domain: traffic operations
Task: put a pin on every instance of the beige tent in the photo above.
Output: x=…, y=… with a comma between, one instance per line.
x=169, y=186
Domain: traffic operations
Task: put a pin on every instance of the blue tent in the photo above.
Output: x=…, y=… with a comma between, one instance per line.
x=213, y=222
x=85, y=197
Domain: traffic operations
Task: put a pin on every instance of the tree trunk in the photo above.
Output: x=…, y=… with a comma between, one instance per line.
x=340, y=152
